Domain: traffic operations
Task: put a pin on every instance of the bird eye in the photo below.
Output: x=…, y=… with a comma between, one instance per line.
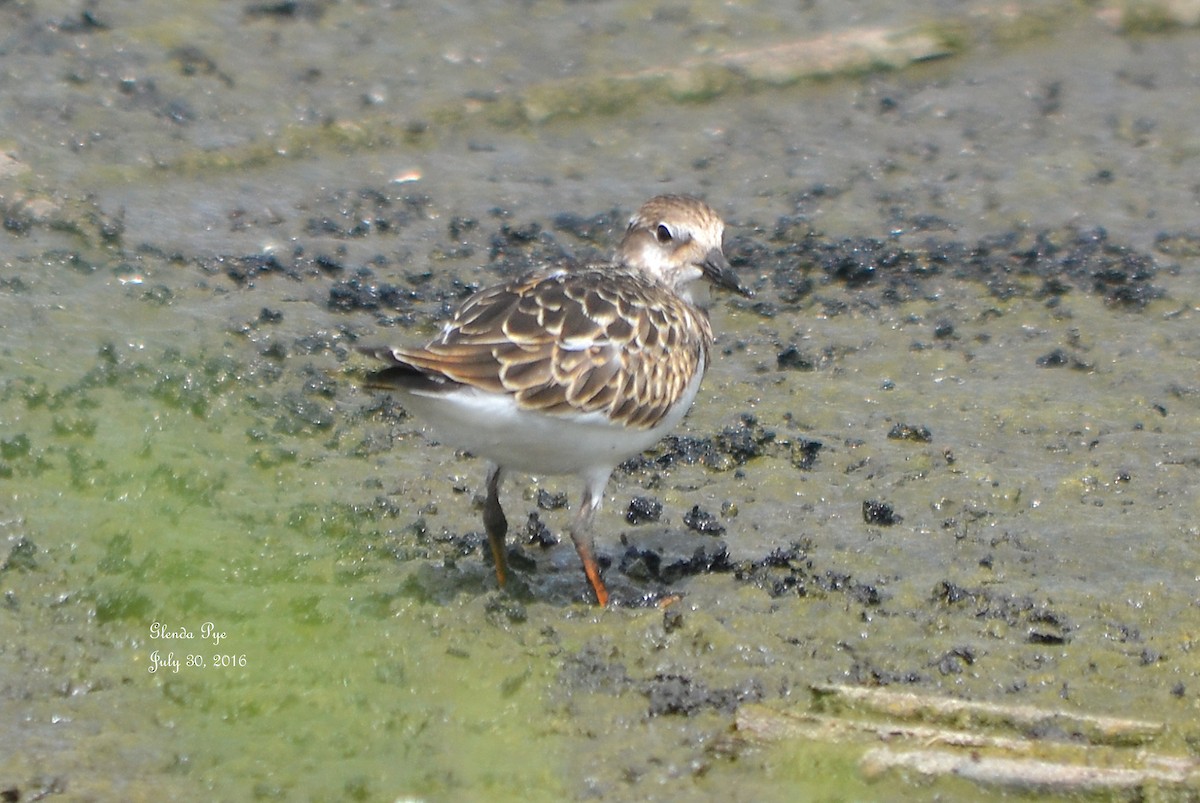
x=663, y=233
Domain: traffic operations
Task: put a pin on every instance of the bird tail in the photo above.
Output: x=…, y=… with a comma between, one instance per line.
x=402, y=375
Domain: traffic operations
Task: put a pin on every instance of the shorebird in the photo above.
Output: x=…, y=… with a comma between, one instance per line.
x=572, y=371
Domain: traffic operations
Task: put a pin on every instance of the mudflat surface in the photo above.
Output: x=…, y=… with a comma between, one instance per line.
x=950, y=447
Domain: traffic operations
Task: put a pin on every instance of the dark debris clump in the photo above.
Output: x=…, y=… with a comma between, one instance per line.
x=678, y=694
x=674, y=450
x=643, y=509
x=669, y=565
x=353, y=214
x=796, y=261
x=286, y=9
x=703, y=522
x=550, y=501
x=866, y=594
x=954, y=661
x=788, y=571
x=1044, y=625
x=909, y=432
x=298, y=414
x=1060, y=358
x=785, y=571
x=744, y=442
x=791, y=358
x=804, y=453
x=514, y=250
x=358, y=294
x=880, y=513
x=602, y=230
x=1031, y=263
x=600, y=671
x=537, y=533
x=245, y=269
x=867, y=674
x=732, y=447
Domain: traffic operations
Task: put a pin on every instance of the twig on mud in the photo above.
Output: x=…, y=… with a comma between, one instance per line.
x=964, y=713
x=846, y=51
x=1016, y=748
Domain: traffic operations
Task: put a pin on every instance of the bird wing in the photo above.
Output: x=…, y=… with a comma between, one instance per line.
x=561, y=343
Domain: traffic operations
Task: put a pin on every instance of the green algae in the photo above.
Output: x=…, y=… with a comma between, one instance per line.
x=164, y=461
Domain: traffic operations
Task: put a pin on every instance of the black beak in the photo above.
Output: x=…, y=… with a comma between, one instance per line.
x=717, y=270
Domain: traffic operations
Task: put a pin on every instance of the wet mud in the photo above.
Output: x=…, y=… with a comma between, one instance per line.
x=949, y=446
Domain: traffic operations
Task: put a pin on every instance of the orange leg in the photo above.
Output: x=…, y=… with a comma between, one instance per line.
x=581, y=536
x=495, y=523
x=592, y=570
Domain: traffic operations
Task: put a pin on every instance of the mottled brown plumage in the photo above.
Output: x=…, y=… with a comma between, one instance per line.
x=588, y=341
x=573, y=371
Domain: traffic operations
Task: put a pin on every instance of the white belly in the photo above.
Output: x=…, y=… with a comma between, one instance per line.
x=492, y=426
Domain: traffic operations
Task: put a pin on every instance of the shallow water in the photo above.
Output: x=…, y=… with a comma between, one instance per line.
x=183, y=442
